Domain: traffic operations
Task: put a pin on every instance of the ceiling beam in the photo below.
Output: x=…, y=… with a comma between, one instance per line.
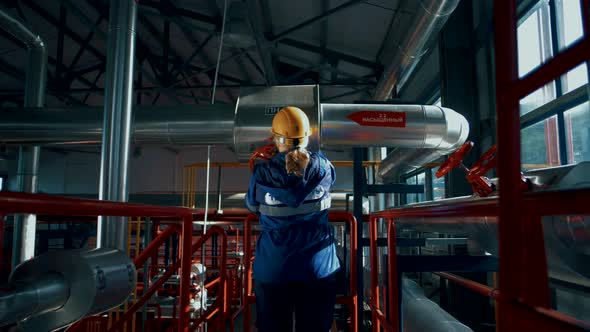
x=320, y=18
x=84, y=46
x=181, y=12
x=332, y=54
x=67, y=31
x=60, y=41
x=257, y=26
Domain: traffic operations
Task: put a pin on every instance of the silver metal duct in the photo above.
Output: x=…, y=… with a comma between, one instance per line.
x=116, y=138
x=246, y=125
x=428, y=21
x=178, y=125
x=46, y=294
x=567, y=238
x=407, y=126
x=28, y=161
x=422, y=314
x=53, y=290
x=431, y=17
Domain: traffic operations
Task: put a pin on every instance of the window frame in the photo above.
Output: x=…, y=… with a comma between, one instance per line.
x=563, y=101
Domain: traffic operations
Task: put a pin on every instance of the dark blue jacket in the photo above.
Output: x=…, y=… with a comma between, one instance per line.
x=296, y=243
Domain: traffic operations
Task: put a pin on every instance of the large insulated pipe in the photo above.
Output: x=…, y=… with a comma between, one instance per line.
x=28, y=160
x=422, y=314
x=118, y=104
x=422, y=133
x=46, y=294
x=340, y=126
x=58, y=288
x=178, y=125
x=407, y=126
x=246, y=125
x=431, y=17
x=428, y=21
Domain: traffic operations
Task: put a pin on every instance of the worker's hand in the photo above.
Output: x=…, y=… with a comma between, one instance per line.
x=264, y=152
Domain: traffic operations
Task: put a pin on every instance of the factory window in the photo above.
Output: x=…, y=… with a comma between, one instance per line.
x=415, y=179
x=438, y=185
x=555, y=119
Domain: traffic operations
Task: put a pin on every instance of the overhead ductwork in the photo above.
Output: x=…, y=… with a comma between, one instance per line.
x=246, y=125
x=428, y=22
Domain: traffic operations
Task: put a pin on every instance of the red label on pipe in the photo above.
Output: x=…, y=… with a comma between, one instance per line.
x=379, y=118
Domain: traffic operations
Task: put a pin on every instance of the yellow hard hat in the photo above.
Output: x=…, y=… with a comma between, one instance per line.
x=290, y=126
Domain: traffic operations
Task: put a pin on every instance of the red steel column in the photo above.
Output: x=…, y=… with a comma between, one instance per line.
x=185, y=272
x=394, y=291
x=353, y=266
x=374, y=271
x=508, y=126
x=247, y=279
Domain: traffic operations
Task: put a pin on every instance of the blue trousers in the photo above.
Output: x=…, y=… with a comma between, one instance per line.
x=312, y=304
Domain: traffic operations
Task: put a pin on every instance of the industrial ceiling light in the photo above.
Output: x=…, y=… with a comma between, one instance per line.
x=238, y=32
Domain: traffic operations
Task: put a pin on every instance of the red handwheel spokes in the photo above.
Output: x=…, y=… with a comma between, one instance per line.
x=454, y=159
x=485, y=163
x=476, y=177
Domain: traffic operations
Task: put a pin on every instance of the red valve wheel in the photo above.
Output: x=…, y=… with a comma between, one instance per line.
x=454, y=159
x=486, y=162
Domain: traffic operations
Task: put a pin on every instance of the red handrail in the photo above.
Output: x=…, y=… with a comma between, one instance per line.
x=12, y=202
x=534, y=206
x=184, y=308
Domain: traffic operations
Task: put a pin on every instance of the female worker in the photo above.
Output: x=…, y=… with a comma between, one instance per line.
x=295, y=261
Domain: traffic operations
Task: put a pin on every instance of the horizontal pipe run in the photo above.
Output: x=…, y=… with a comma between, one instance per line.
x=178, y=125
x=47, y=294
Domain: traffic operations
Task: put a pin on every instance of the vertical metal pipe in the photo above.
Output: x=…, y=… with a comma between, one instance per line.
x=429, y=190
x=28, y=161
x=117, y=118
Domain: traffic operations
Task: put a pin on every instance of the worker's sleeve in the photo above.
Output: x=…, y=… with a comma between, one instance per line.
x=333, y=171
x=251, y=202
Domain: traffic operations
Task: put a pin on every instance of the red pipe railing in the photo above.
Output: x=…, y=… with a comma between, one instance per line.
x=334, y=216
x=11, y=203
x=522, y=263
x=184, y=309
x=534, y=206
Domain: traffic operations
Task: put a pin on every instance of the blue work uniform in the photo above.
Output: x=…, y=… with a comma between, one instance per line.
x=296, y=243
x=295, y=263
